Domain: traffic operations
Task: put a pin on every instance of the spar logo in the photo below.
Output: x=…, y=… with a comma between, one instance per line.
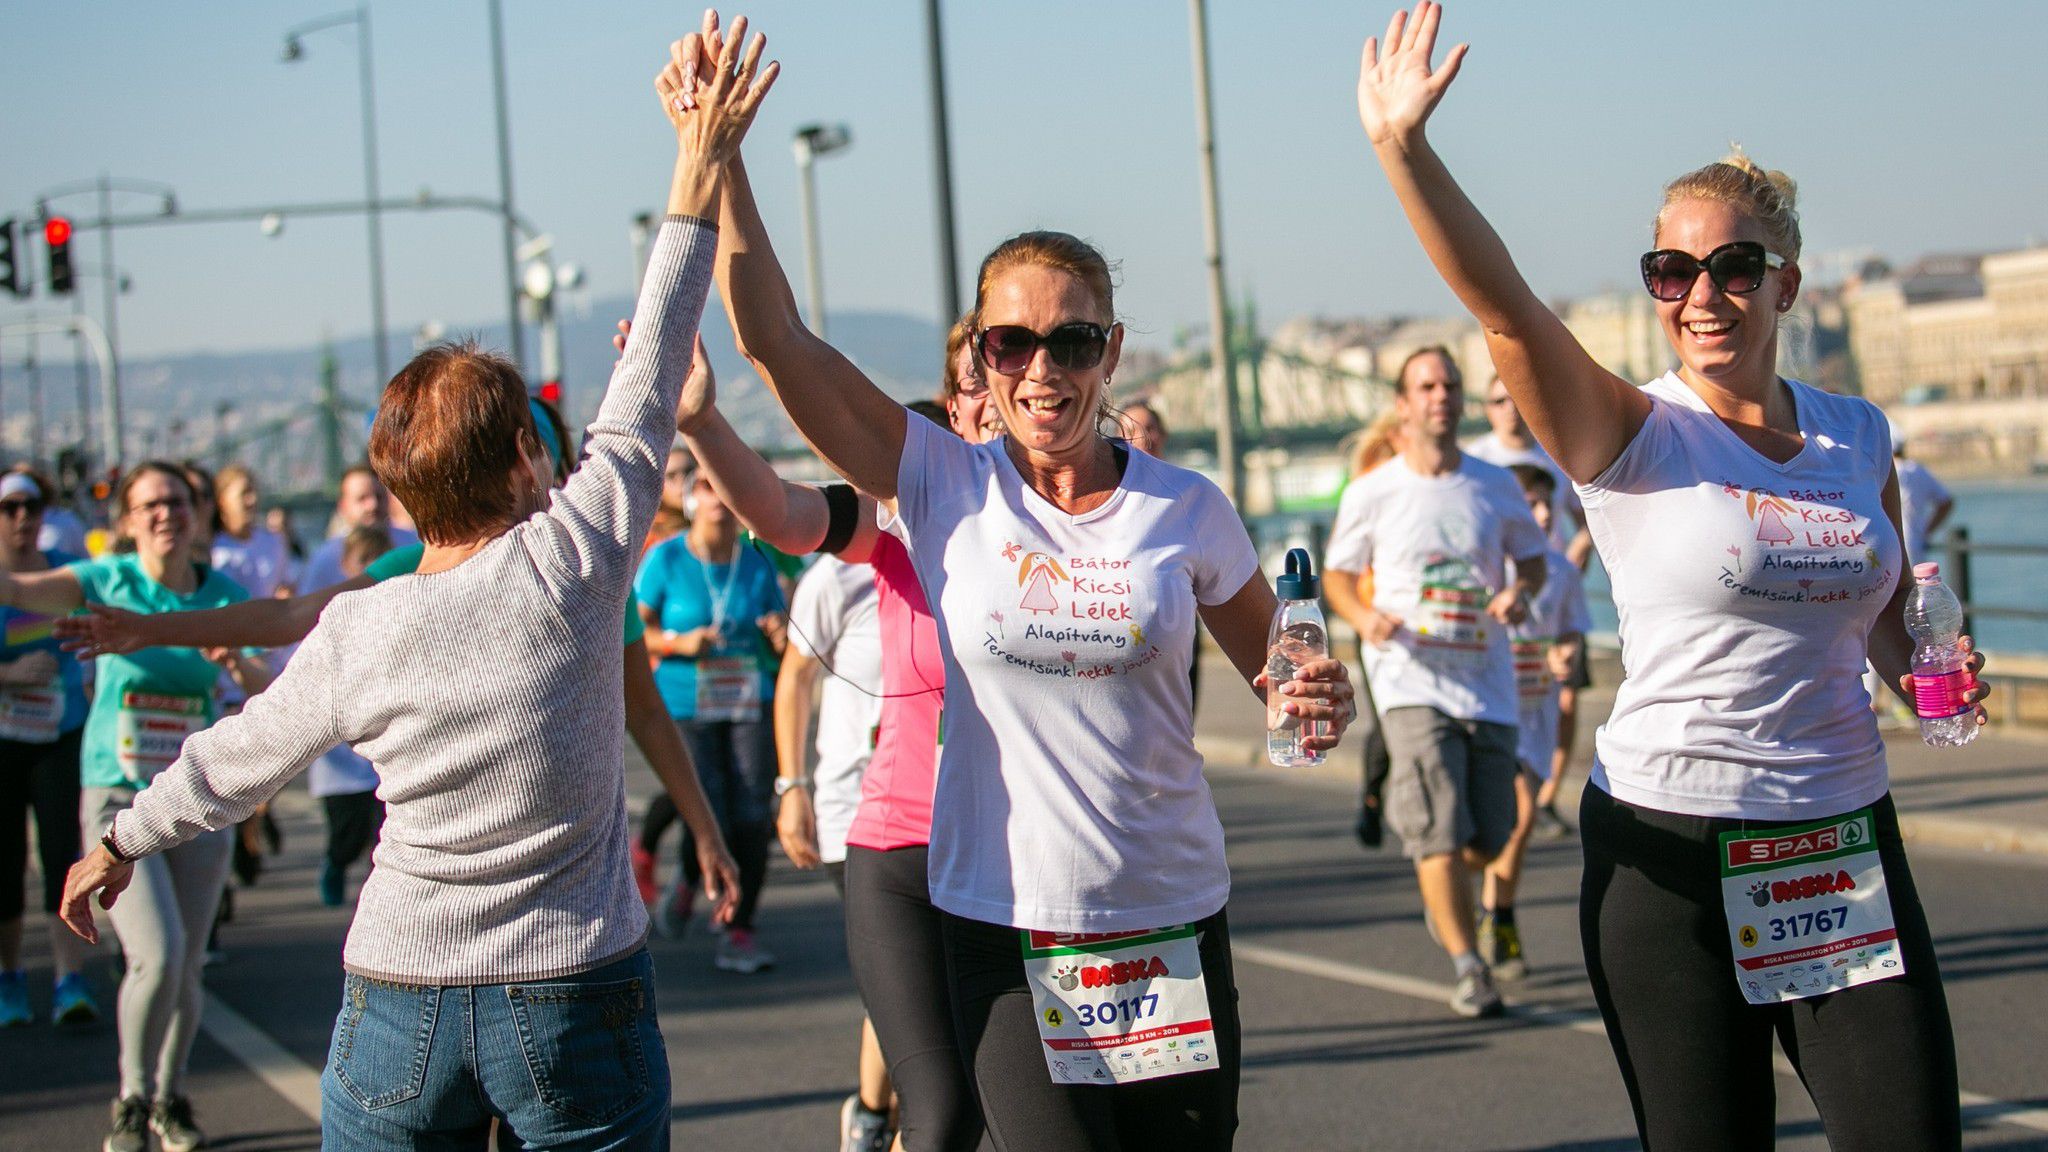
x=1767, y=893
x=1811, y=842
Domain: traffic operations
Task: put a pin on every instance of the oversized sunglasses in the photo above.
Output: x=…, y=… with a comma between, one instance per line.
x=1736, y=268
x=1008, y=348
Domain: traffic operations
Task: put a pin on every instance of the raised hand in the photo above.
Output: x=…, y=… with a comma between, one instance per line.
x=711, y=96
x=102, y=631
x=700, y=392
x=1397, y=90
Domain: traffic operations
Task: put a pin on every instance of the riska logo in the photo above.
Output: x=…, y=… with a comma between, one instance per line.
x=1122, y=972
x=1768, y=893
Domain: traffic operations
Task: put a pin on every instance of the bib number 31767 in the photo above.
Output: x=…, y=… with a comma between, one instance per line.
x=1121, y=1006
x=1807, y=909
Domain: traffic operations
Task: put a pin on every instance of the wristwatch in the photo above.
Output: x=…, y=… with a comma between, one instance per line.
x=114, y=849
x=787, y=783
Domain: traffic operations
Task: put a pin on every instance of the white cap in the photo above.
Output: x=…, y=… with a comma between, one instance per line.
x=20, y=484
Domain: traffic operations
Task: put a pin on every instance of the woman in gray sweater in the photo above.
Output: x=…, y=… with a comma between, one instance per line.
x=497, y=966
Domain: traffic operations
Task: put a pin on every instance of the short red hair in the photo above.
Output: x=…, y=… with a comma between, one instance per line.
x=452, y=424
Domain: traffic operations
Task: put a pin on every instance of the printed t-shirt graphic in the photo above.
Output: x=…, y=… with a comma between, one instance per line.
x=38, y=714
x=1439, y=549
x=1070, y=795
x=1746, y=590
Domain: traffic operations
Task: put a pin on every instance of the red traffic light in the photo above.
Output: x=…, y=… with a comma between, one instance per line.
x=551, y=391
x=56, y=231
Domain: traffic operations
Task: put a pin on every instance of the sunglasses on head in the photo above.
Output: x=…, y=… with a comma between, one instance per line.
x=1736, y=268
x=1008, y=348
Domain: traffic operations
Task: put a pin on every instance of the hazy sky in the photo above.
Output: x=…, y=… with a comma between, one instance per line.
x=1910, y=128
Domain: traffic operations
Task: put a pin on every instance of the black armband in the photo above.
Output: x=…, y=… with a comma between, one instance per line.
x=842, y=516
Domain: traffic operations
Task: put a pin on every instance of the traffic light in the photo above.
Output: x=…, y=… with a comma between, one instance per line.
x=10, y=272
x=57, y=234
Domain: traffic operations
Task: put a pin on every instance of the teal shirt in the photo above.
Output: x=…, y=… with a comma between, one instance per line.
x=24, y=632
x=145, y=702
x=686, y=593
x=406, y=561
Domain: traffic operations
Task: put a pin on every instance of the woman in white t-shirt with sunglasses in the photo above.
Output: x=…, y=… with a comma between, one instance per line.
x=1066, y=573
x=1750, y=527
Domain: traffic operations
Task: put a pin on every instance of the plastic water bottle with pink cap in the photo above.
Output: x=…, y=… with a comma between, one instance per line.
x=1942, y=681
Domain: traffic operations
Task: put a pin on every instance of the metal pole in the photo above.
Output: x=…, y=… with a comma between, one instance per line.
x=78, y=379
x=1230, y=462
x=512, y=320
x=814, y=276
x=382, y=358
x=110, y=370
x=35, y=400
x=942, y=170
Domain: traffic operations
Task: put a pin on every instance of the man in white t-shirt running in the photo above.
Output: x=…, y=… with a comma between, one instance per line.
x=1455, y=558
x=1508, y=444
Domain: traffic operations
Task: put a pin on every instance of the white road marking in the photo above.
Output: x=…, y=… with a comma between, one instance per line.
x=1977, y=1108
x=286, y=1074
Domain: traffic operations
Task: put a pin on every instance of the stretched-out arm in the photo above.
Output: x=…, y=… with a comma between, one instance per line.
x=853, y=425
x=52, y=592
x=264, y=623
x=1583, y=414
x=647, y=721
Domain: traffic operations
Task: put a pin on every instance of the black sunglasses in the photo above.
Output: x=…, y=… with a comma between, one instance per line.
x=1008, y=348
x=22, y=507
x=1735, y=268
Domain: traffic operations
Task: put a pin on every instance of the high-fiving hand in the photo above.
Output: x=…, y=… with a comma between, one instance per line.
x=1397, y=90
x=711, y=88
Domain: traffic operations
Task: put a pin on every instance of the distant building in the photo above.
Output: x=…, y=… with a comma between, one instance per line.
x=1961, y=326
x=1619, y=330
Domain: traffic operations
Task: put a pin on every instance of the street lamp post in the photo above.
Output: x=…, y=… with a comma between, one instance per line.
x=811, y=142
x=942, y=168
x=511, y=237
x=294, y=50
x=1228, y=460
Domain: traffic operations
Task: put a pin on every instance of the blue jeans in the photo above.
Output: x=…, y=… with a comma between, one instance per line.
x=571, y=1063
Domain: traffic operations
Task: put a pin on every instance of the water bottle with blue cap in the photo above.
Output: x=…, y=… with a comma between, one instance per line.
x=1299, y=636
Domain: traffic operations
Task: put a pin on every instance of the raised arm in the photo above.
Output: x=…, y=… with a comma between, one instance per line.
x=1584, y=414
x=840, y=413
x=792, y=517
x=50, y=593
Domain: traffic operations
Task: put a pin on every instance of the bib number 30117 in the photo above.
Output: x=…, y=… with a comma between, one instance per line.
x=1807, y=909
x=1118, y=1007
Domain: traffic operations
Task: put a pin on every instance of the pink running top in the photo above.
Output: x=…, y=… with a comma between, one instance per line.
x=896, y=791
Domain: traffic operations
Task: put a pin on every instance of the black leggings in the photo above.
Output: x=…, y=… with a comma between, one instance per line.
x=40, y=779
x=1025, y=1110
x=354, y=822
x=899, y=962
x=1878, y=1059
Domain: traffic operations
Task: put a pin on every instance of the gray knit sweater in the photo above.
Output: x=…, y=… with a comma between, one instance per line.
x=490, y=698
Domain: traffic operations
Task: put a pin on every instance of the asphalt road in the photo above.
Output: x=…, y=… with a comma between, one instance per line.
x=1348, y=1043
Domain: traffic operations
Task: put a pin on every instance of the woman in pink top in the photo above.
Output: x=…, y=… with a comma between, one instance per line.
x=892, y=928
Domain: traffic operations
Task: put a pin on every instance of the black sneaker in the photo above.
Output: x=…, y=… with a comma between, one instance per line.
x=1369, y=829
x=131, y=1127
x=171, y=1120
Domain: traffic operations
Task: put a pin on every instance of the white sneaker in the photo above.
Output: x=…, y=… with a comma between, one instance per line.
x=737, y=952
x=861, y=1130
x=1476, y=996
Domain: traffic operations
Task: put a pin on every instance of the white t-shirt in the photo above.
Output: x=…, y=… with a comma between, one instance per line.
x=1565, y=509
x=62, y=531
x=1439, y=549
x=832, y=620
x=1558, y=610
x=1070, y=796
x=259, y=564
x=1920, y=493
x=340, y=770
x=1746, y=591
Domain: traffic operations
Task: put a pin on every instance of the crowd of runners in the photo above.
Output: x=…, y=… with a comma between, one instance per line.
x=992, y=627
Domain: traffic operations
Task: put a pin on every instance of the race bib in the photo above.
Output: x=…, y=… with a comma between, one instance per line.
x=150, y=729
x=728, y=688
x=31, y=715
x=1533, y=680
x=1807, y=909
x=1117, y=1007
x=1451, y=624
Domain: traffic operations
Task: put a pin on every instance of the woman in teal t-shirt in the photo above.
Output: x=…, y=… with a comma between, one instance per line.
x=716, y=619
x=144, y=705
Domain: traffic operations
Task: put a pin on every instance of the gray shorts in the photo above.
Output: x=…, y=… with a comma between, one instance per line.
x=1452, y=783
